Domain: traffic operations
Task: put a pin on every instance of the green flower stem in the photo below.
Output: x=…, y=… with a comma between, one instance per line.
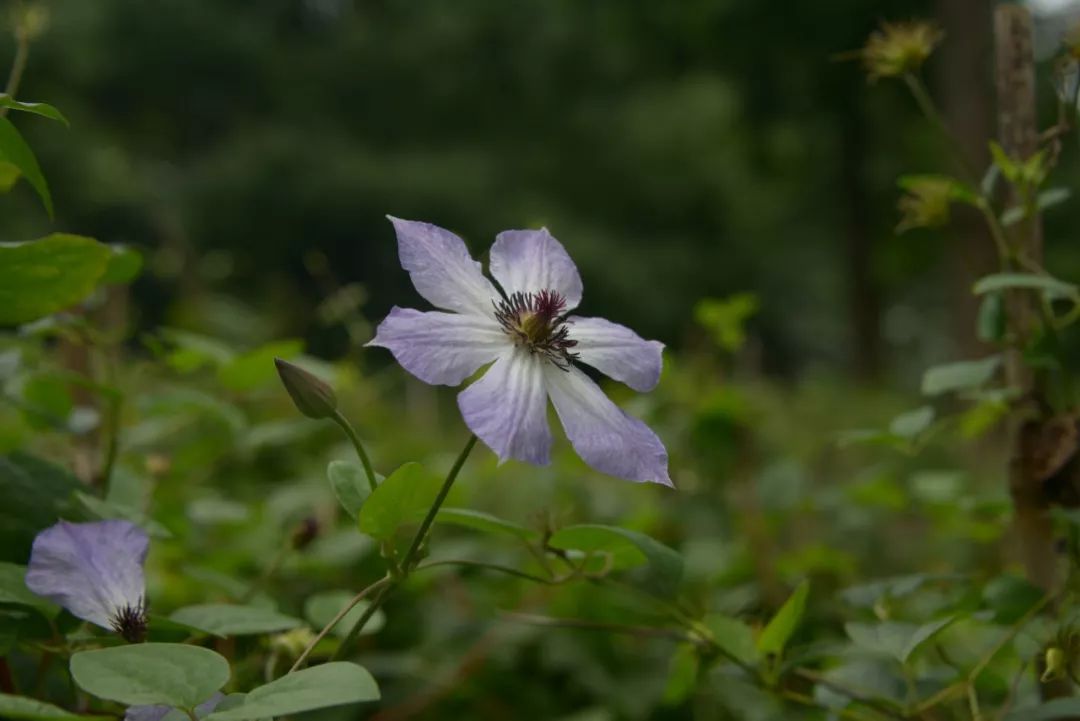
x=410, y=559
x=342, y=421
x=929, y=109
x=18, y=65
x=379, y=586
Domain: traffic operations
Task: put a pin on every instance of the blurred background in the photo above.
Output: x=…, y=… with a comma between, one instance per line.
x=679, y=150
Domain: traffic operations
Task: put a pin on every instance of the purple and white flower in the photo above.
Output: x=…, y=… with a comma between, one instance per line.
x=95, y=571
x=534, y=347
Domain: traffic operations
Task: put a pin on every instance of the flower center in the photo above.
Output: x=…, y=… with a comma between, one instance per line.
x=130, y=622
x=537, y=321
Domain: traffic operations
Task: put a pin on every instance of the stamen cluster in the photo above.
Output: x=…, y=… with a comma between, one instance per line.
x=537, y=321
x=130, y=622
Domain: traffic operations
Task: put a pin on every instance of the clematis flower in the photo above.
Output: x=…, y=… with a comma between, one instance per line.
x=534, y=346
x=95, y=571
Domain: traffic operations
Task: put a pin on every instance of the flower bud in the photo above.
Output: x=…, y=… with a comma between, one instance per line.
x=314, y=398
x=305, y=532
x=926, y=203
x=1055, y=664
x=292, y=643
x=898, y=49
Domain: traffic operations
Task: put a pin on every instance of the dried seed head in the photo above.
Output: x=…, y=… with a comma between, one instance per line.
x=897, y=49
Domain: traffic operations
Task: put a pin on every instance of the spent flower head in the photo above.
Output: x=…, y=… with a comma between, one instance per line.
x=899, y=48
x=534, y=346
x=95, y=571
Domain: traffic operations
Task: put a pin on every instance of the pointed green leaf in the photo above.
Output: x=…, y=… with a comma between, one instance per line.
x=14, y=150
x=43, y=109
x=170, y=674
x=1025, y=281
x=485, y=522
x=961, y=375
x=910, y=424
x=734, y=637
x=776, y=634
x=894, y=638
x=223, y=619
x=331, y=684
x=350, y=485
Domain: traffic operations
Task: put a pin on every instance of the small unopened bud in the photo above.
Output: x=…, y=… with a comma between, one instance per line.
x=305, y=532
x=1056, y=661
x=313, y=397
x=292, y=643
x=897, y=49
x=926, y=203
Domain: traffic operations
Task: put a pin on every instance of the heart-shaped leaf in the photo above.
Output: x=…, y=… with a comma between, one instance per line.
x=331, y=684
x=169, y=674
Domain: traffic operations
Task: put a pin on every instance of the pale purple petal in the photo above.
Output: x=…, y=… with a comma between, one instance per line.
x=440, y=348
x=92, y=569
x=603, y=435
x=617, y=351
x=157, y=712
x=442, y=269
x=527, y=261
x=507, y=408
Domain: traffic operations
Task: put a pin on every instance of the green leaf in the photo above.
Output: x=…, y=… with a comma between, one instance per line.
x=14, y=150
x=350, y=485
x=34, y=493
x=682, y=675
x=910, y=424
x=13, y=590
x=958, y=191
x=895, y=639
x=1025, y=281
x=485, y=522
x=223, y=619
x=626, y=549
x=29, y=709
x=1059, y=708
x=961, y=375
x=9, y=175
x=331, y=684
x=256, y=367
x=171, y=674
x=321, y=608
x=397, y=500
x=734, y=637
x=1004, y=163
x=41, y=277
x=991, y=322
x=100, y=509
x=43, y=109
x=776, y=634
x=124, y=265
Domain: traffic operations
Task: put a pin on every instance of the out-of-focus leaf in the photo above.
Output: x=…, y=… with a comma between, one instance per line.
x=223, y=619
x=20, y=708
x=734, y=637
x=1059, y=708
x=41, y=277
x=1025, y=281
x=13, y=590
x=330, y=684
x=1010, y=597
x=893, y=638
x=682, y=674
x=321, y=608
x=776, y=634
x=193, y=350
x=100, y=509
x=626, y=548
x=124, y=265
x=43, y=109
x=961, y=375
x=990, y=324
x=34, y=493
x=485, y=522
x=170, y=674
x=912, y=423
x=256, y=368
x=14, y=150
x=397, y=500
x=350, y=485
x=9, y=175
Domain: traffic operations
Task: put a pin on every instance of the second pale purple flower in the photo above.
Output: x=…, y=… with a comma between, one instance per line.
x=533, y=345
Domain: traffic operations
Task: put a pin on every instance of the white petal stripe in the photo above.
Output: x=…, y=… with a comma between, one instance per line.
x=603, y=435
x=527, y=261
x=617, y=351
x=507, y=408
x=440, y=348
x=442, y=269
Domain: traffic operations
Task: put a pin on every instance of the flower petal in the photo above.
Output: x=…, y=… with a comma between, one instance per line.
x=91, y=569
x=603, y=435
x=507, y=408
x=440, y=348
x=617, y=351
x=442, y=269
x=527, y=261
